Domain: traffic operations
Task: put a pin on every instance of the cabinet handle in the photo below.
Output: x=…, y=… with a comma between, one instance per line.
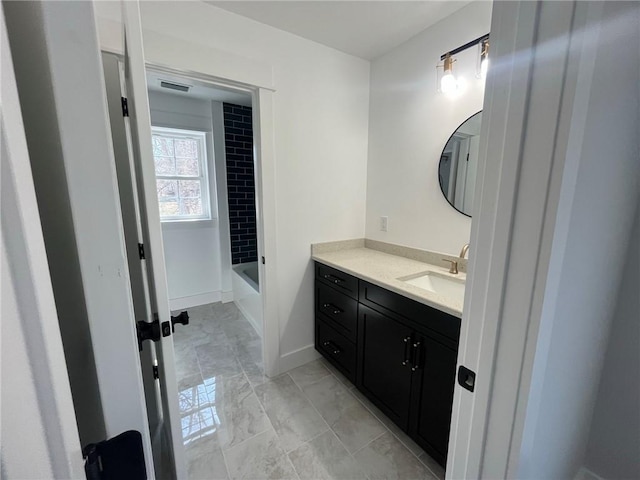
x=330, y=306
x=333, y=278
x=331, y=345
x=417, y=350
x=406, y=360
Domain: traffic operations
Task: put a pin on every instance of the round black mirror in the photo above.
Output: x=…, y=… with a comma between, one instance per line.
x=459, y=165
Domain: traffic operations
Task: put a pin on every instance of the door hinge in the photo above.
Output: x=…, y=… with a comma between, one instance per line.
x=141, y=251
x=125, y=107
x=263, y=260
x=156, y=372
x=152, y=330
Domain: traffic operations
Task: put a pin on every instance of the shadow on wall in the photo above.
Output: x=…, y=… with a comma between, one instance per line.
x=241, y=190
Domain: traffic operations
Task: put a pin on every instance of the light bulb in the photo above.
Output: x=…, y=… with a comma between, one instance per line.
x=484, y=66
x=448, y=83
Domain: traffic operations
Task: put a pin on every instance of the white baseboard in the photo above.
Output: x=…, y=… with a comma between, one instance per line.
x=253, y=321
x=226, y=297
x=585, y=474
x=194, y=300
x=297, y=358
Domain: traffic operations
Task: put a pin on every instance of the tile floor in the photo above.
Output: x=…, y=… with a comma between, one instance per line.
x=307, y=424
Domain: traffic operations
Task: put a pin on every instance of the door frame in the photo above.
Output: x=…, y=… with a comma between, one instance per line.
x=264, y=155
x=528, y=101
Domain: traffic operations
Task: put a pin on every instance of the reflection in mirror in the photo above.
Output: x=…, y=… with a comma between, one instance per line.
x=459, y=164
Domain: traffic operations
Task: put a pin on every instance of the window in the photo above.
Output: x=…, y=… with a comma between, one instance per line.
x=181, y=174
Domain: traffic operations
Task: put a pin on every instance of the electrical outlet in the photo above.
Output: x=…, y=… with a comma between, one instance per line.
x=384, y=223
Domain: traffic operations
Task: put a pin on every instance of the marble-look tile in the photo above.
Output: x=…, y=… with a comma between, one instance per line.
x=240, y=335
x=197, y=424
x=309, y=373
x=354, y=425
x=387, y=459
x=186, y=363
x=239, y=415
x=181, y=340
x=325, y=457
x=293, y=417
x=387, y=422
x=225, y=313
x=196, y=314
x=192, y=397
x=189, y=381
x=336, y=373
x=205, y=445
x=194, y=333
x=255, y=374
x=217, y=360
x=215, y=333
x=260, y=457
x=208, y=467
x=247, y=351
x=432, y=465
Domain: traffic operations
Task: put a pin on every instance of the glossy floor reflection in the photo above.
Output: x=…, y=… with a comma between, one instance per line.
x=310, y=423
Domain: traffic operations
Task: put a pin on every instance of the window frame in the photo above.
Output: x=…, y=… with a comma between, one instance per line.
x=203, y=177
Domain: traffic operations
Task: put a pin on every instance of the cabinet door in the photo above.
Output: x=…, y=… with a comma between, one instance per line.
x=385, y=370
x=433, y=396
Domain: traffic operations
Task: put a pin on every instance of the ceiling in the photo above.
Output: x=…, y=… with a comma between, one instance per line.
x=366, y=29
x=197, y=89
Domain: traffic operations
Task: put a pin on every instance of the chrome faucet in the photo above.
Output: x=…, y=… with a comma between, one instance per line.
x=465, y=249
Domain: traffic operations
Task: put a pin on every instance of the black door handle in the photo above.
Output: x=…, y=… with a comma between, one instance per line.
x=182, y=318
x=417, y=357
x=333, y=279
x=332, y=346
x=332, y=308
x=406, y=360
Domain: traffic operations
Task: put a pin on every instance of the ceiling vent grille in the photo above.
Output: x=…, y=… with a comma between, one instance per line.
x=175, y=86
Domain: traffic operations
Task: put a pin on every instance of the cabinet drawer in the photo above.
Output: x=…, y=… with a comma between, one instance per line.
x=337, y=279
x=418, y=315
x=336, y=348
x=340, y=311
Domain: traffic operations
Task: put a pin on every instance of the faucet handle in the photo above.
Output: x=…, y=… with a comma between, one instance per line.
x=454, y=266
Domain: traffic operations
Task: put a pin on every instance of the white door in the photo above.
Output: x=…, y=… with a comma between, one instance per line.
x=149, y=285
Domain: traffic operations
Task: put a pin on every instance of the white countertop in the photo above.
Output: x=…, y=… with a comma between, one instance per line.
x=385, y=270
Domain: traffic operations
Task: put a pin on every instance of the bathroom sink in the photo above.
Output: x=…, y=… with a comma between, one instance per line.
x=440, y=284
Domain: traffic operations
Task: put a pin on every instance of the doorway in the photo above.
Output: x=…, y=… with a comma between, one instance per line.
x=202, y=139
x=204, y=188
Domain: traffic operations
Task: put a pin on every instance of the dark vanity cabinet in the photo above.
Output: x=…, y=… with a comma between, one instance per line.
x=336, y=299
x=385, y=349
x=400, y=353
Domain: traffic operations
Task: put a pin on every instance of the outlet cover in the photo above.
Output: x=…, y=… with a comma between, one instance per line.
x=384, y=224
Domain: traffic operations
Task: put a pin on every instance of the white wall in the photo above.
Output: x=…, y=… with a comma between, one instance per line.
x=409, y=125
x=191, y=249
x=38, y=432
x=614, y=441
x=41, y=127
x=320, y=120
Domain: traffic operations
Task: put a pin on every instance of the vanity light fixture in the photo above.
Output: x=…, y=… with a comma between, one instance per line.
x=448, y=82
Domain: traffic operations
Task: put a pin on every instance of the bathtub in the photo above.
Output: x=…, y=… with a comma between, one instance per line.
x=246, y=293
